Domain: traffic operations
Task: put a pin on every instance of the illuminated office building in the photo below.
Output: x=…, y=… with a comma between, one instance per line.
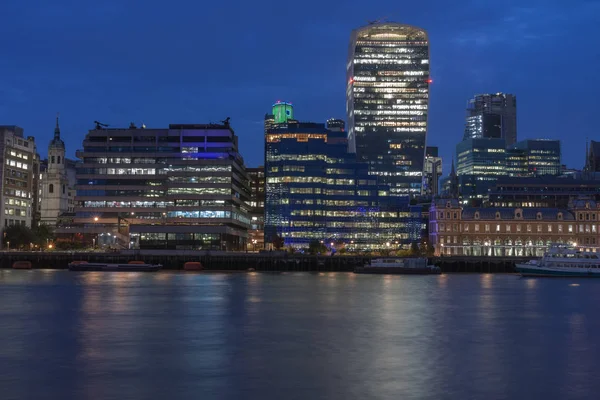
x=316, y=190
x=256, y=234
x=480, y=162
x=184, y=187
x=492, y=116
x=387, y=99
x=432, y=172
x=18, y=160
x=534, y=157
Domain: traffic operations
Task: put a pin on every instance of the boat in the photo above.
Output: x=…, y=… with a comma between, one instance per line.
x=192, y=266
x=22, y=265
x=402, y=266
x=87, y=266
x=562, y=261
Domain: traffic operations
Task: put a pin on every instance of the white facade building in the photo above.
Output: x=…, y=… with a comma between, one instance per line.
x=17, y=156
x=56, y=189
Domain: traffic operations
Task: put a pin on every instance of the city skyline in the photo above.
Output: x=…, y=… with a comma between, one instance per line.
x=89, y=76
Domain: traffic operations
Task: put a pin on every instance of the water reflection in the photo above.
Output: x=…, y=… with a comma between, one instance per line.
x=295, y=336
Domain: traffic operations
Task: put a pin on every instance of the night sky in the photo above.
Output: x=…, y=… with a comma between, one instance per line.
x=161, y=62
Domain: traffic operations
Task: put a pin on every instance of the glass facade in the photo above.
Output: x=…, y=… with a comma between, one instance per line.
x=387, y=102
x=182, y=187
x=480, y=162
x=492, y=116
x=316, y=190
x=538, y=157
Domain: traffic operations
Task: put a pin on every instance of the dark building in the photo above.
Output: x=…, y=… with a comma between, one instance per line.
x=316, y=190
x=593, y=157
x=431, y=151
x=334, y=124
x=256, y=234
x=534, y=157
x=387, y=100
x=480, y=163
x=543, y=191
x=432, y=172
x=492, y=116
x=184, y=187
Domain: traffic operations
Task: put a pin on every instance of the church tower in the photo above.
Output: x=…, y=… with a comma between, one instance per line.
x=55, y=185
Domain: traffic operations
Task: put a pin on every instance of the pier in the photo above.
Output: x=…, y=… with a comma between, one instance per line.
x=228, y=261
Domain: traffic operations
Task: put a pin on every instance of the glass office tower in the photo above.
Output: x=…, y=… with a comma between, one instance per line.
x=387, y=102
x=316, y=190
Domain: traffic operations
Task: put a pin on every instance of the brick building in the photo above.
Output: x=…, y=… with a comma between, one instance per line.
x=496, y=231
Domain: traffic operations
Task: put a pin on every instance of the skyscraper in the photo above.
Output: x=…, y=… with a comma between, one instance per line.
x=432, y=172
x=387, y=99
x=492, y=116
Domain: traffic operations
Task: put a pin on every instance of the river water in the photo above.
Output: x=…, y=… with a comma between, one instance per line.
x=94, y=335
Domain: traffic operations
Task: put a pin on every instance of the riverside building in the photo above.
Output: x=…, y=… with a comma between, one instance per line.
x=512, y=231
x=184, y=187
x=316, y=190
x=18, y=157
x=57, y=188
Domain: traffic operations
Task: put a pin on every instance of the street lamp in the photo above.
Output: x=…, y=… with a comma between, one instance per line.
x=95, y=219
x=8, y=244
x=50, y=246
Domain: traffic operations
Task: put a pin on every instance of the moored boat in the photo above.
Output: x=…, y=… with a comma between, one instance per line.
x=402, y=266
x=193, y=266
x=22, y=265
x=562, y=261
x=87, y=266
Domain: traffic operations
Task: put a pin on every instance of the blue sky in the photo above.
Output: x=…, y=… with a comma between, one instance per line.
x=160, y=62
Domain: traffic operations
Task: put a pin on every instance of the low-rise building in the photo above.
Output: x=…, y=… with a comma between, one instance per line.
x=183, y=187
x=511, y=231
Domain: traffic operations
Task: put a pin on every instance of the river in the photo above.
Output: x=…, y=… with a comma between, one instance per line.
x=97, y=335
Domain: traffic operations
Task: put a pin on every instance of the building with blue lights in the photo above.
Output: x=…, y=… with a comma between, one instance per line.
x=184, y=187
x=316, y=190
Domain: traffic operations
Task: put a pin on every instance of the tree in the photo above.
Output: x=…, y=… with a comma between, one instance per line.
x=278, y=242
x=430, y=250
x=414, y=249
x=316, y=247
x=19, y=237
x=43, y=233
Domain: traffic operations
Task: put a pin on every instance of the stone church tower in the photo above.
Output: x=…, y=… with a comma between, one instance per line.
x=55, y=184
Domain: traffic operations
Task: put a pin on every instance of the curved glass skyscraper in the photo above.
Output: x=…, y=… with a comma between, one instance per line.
x=387, y=102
